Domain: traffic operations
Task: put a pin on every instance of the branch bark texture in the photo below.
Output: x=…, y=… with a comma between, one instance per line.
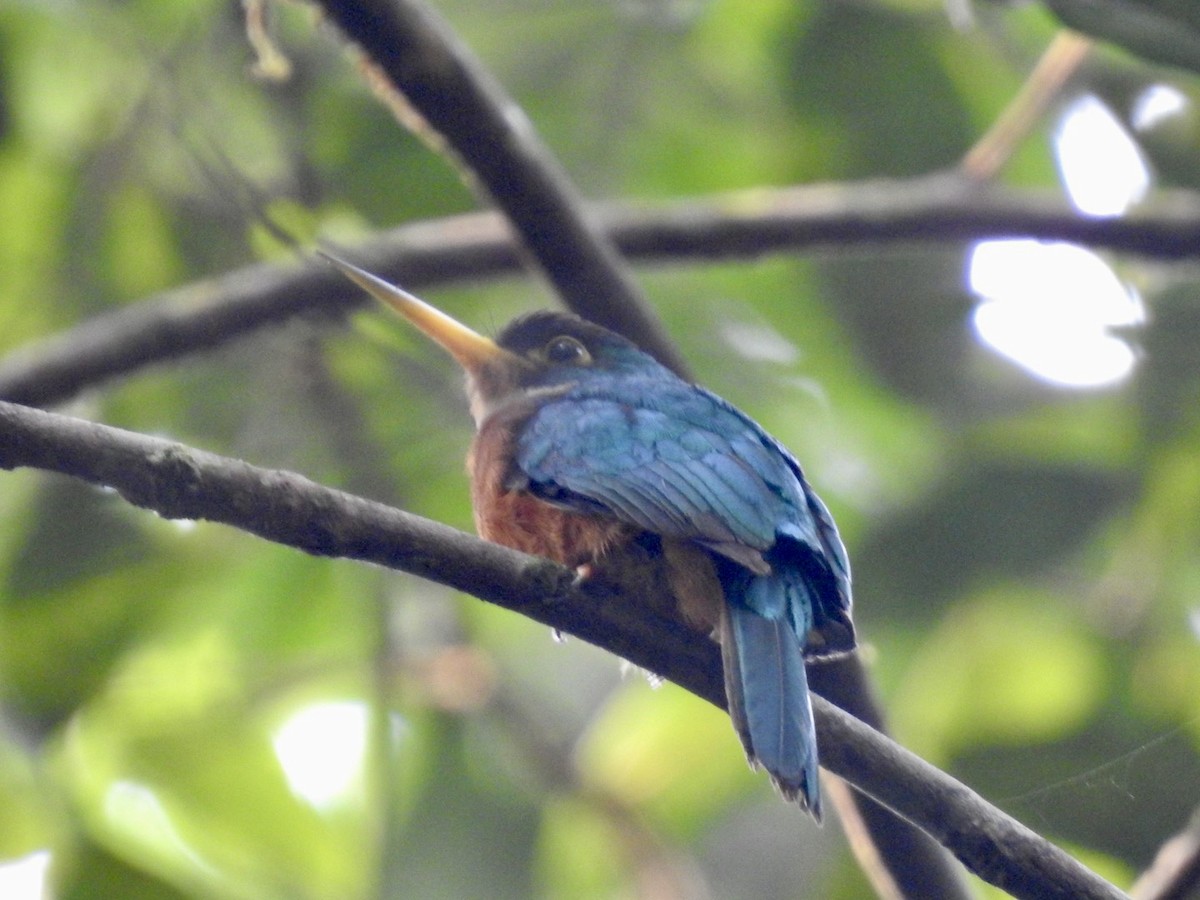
x=180, y=482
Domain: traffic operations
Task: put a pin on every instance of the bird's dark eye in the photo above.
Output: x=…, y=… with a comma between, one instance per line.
x=567, y=351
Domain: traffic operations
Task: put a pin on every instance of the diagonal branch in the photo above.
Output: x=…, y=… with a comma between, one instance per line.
x=742, y=225
x=180, y=482
x=436, y=75
x=1058, y=64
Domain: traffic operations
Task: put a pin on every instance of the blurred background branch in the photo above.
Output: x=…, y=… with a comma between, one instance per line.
x=477, y=247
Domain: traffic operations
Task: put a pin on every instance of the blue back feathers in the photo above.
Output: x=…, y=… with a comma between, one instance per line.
x=618, y=434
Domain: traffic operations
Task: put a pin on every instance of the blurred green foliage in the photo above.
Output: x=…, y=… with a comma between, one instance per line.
x=1166, y=31
x=1025, y=556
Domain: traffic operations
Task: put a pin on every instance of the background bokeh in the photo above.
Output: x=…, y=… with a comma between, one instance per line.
x=187, y=711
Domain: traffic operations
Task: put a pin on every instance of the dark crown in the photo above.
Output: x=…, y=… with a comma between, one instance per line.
x=533, y=330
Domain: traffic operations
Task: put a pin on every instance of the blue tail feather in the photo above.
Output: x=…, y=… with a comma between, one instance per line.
x=767, y=691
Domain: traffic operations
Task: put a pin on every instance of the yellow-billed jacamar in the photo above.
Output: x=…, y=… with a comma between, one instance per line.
x=584, y=444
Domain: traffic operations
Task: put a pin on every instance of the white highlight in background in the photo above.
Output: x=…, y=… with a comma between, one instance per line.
x=1050, y=308
x=322, y=749
x=1101, y=167
x=1156, y=105
x=26, y=878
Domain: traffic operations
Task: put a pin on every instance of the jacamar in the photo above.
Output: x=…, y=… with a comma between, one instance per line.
x=584, y=444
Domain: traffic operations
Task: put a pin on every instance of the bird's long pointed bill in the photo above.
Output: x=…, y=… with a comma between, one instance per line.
x=472, y=350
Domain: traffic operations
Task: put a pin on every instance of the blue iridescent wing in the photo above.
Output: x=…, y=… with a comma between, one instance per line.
x=675, y=460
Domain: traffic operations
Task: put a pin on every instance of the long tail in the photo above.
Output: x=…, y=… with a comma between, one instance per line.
x=767, y=691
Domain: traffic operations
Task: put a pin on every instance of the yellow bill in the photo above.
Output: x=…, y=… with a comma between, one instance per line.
x=472, y=350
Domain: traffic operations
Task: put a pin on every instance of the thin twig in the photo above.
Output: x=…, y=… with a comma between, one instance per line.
x=181, y=482
x=423, y=255
x=1044, y=85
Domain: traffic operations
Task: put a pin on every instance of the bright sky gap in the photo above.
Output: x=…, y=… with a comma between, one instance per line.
x=1051, y=308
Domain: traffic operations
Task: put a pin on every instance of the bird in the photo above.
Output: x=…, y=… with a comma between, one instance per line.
x=585, y=444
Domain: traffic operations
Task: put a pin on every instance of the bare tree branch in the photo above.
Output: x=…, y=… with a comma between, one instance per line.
x=180, y=482
x=208, y=313
x=877, y=838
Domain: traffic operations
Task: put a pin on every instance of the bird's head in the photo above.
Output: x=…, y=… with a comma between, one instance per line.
x=534, y=353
